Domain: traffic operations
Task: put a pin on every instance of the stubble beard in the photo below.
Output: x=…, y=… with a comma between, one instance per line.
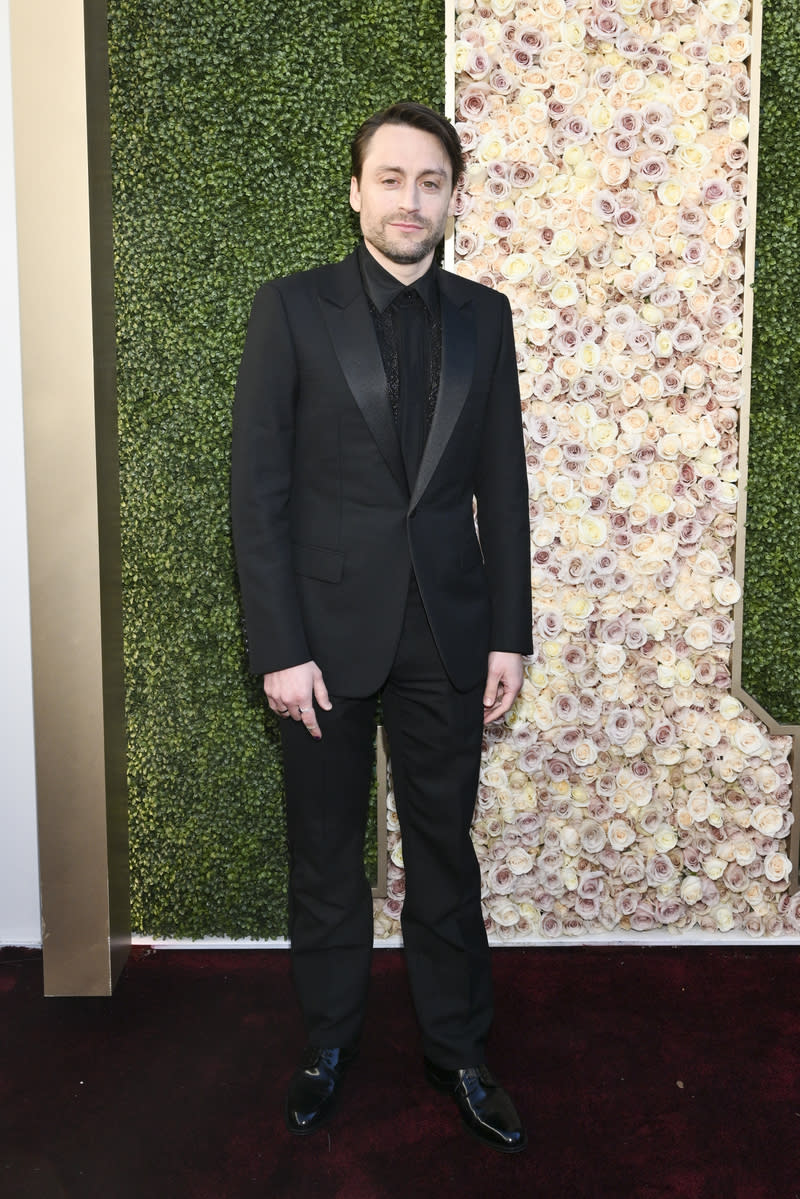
x=406, y=254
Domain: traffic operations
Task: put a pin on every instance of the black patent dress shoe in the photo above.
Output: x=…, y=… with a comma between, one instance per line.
x=486, y=1109
x=315, y=1088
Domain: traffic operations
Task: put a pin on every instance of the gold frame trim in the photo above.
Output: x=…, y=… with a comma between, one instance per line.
x=59, y=55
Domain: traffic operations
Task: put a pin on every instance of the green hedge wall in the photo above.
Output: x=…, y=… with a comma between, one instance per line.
x=771, y=643
x=231, y=121
x=230, y=126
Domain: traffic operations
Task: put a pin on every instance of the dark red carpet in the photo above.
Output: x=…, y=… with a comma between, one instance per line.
x=643, y=1074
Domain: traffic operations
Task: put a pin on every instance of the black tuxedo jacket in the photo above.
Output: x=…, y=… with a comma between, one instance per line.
x=326, y=526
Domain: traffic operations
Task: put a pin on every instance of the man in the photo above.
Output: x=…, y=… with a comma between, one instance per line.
x=376, y=398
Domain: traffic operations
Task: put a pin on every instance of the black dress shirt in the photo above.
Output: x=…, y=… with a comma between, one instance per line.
x=408, y=327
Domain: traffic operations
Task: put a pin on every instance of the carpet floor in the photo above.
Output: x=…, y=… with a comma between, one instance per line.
x=641, y=1073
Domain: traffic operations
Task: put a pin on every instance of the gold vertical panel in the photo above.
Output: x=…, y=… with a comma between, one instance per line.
x=60, y=88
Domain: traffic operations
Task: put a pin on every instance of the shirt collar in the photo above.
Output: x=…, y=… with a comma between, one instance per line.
x=383, y=289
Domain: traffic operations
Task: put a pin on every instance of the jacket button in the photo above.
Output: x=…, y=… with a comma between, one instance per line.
x=412, y=514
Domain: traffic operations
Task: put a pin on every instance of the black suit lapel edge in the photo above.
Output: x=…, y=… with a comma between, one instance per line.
x=345, y=312
x=458, y=364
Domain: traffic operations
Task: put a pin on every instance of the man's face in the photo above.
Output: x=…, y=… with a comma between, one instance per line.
x=404, y=196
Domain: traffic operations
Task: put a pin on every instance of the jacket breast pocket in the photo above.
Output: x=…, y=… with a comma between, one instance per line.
x=315, y=562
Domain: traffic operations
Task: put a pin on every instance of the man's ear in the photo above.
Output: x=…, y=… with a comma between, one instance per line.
x=355, y=195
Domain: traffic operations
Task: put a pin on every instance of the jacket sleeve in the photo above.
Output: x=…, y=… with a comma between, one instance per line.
x=501, y=492
x=261, y=477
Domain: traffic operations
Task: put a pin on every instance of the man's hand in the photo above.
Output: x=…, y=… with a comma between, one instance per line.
x=292, y=693
x=503, y=684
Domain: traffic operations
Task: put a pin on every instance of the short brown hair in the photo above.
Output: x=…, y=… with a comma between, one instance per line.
x=419, y=116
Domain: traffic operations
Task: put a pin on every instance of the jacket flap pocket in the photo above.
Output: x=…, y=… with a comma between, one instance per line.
x=318, y=563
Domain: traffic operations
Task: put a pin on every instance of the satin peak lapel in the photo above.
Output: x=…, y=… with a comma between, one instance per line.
x=458, y=364
x=352, y=333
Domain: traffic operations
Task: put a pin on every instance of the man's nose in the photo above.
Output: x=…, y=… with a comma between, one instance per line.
x=409, y=197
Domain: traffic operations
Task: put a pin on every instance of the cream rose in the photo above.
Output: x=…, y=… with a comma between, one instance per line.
x=564, y=293
x=691, y=889
x=518, y=860
x=768, y=819
x=665, y=839
x=516, y=267
x=699, y=634
x=777, y=867
x=723, y=914
x=749, y=739
x=592, y=531
x=396, y=854
x=504, y=912
x=714, y=867
x=610, y=658
x=726, y=591
x=730, y=707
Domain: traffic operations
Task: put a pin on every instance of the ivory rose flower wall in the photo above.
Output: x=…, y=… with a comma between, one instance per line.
x=606, y=196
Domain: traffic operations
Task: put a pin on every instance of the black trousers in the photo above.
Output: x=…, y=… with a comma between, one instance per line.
x=435, y=741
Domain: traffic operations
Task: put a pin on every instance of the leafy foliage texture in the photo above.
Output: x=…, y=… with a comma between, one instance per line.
x=771, y=645
x=231, y=123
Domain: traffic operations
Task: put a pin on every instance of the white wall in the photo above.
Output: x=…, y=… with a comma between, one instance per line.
x=19, y=870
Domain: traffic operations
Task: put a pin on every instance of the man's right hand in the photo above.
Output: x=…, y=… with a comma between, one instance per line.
x=292, y=693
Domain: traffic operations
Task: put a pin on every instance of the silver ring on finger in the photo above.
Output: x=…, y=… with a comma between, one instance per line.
x=301, y=710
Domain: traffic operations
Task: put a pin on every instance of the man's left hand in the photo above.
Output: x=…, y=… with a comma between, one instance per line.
x=503, y=684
